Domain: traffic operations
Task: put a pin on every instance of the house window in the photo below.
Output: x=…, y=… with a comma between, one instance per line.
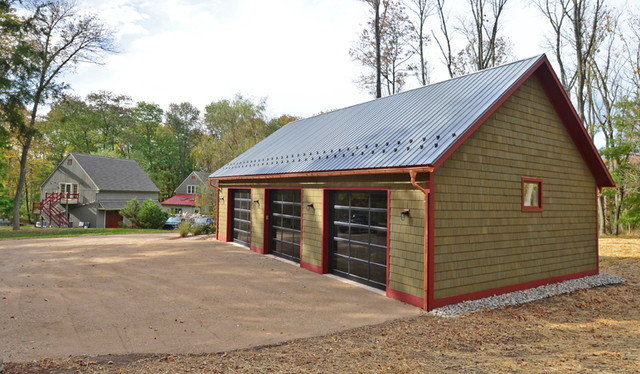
x=69, y=161
x=531, y=194
x=192, y=190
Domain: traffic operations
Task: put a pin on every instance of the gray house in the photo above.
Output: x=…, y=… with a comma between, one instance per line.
x=184, y=200
x=90, y=190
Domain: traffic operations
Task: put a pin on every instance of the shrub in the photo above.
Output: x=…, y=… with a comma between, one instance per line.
x=131, y=211
x=150, y=215
x=198, y=229
x=183, y=228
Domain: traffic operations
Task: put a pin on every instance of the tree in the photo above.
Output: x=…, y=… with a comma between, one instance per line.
x=184, y=121
x=391, y=35
x=112, y=117
x=421, y=9
x=70, y=127
x=147, y=119
x=60, y=39
x=622, y=144
x=150, y=215
x=130, y=212
x=575, y=41
x=375, y=6
x=230, y=128
x=484, y=47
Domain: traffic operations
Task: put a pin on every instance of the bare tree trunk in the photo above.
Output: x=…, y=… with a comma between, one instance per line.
x=378, y=62
x=600, y=216
x=21, y=183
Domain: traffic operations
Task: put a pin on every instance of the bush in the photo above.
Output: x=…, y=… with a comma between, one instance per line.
x=183, y=228
x=150, y=215
x=197, y=229
x=131, y=211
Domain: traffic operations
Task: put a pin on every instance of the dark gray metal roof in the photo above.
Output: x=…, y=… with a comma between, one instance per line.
x=412, y=128
x=115, y=174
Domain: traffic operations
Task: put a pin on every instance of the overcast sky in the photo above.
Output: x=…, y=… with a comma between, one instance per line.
x=295, y=53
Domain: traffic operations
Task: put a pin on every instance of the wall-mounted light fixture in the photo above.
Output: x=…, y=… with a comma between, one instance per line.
x=310, y=206
x=257, y=202
x=221, y=198
x=405, y=213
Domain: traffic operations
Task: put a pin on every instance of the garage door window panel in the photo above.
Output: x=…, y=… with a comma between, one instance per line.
x=284, y=223
x=358, y=245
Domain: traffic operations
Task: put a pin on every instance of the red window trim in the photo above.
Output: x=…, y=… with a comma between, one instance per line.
x=540, y=195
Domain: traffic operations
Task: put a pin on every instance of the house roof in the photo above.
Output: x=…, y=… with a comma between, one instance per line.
x=181, y=199
x=202, y=175
x=416, y=128
x=115, y=174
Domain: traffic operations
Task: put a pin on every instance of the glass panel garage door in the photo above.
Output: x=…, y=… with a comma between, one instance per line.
x=241, y=203
x=284, y=223
x=358, y=245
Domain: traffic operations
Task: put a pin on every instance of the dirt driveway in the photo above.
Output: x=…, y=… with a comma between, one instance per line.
x=154, y=293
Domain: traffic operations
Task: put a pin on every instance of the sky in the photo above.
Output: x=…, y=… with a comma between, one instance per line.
x=293, y=53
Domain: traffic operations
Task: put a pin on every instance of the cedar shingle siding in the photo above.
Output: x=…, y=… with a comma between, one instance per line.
x=482, y=239
x=472, y=142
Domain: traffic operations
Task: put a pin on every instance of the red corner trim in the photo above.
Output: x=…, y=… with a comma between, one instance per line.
x=405, y=297
x=222, y=238
x=311, y=267
x=502, y=290
x=257, y=250
x=431, y=239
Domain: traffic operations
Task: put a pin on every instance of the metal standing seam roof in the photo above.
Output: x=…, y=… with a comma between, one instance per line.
x=412, y=128
x=115, y=174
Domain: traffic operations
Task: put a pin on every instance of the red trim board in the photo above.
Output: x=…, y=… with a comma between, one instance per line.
x=311, y=267
x=405, y=298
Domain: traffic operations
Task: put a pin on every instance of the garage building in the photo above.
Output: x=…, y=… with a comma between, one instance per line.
x=475, y=186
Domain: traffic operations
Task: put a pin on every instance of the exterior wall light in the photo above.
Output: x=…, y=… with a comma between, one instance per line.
x=257, y=202
x=405, y=213
x=310, y=206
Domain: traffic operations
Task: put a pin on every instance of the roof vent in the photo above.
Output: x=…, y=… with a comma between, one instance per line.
x=437, y=136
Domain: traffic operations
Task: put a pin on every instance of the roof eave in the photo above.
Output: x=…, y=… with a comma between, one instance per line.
x=330, y=173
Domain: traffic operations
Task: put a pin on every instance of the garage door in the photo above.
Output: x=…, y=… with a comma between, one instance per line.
x=112, y=219
x=241, y=215
x=284, y=223
x=358, y=245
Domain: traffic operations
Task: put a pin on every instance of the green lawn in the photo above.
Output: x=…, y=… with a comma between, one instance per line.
x=30, y=232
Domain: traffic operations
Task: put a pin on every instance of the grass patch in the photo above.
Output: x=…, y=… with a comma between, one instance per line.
x=29, y=232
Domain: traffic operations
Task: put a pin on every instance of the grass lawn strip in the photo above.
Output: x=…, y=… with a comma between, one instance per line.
x=30, y=232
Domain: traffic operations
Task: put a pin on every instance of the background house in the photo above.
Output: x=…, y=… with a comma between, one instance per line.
x=475, y=186
x=185, y=198
x=92, y=189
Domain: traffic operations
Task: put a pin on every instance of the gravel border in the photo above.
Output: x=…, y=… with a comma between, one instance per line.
x=525, y=296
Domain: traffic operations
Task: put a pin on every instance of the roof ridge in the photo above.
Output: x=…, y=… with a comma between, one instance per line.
x=536, y=57
x=105, y=157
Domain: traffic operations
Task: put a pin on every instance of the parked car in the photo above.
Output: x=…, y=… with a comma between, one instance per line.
x=204, y=221
x=172, y=223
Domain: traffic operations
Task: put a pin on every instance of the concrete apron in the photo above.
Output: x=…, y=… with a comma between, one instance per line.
x=155, y=293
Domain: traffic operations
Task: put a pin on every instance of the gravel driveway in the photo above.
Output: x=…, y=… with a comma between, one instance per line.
x=154, y=293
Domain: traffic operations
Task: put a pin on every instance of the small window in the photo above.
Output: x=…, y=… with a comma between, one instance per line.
x=69, y=161
x=192, y=190
x=531, y=194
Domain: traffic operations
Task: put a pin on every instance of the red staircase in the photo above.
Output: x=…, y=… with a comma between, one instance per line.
x=49, y=207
